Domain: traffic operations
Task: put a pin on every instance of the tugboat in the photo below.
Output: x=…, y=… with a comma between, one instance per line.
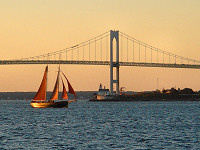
x=40, y=101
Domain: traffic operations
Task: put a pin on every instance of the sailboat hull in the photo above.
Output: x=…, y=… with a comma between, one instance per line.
x=49, y=104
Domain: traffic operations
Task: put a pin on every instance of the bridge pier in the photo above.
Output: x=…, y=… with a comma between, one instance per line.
x=114, y=35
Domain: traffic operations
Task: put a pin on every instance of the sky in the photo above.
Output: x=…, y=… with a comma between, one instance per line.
x=34, y=27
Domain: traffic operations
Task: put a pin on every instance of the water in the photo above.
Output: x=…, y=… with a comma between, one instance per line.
x=106, y=125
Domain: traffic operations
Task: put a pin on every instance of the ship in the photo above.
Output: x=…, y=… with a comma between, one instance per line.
x=102, y=94
x=40, y=100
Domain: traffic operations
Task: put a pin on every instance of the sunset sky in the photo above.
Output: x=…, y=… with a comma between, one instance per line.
x=34, y=27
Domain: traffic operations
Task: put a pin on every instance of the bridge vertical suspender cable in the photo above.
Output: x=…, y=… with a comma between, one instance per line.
x=151, y=55
x=77, y=53
x=101, y=49
x=145, y=54
x=107, y=51
x=121, y=50
x=139, y=52
x=89, y=51
x=157, y=56
x=133, y=51
x=83, y=53
x=127, y=49
x=163, y=57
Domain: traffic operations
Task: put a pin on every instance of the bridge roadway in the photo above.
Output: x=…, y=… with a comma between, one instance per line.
x=141, y=64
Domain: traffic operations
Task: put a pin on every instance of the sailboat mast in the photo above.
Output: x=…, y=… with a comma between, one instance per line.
x=46, y=80
x=58, y=79
x=47, y=75
x=59, y=74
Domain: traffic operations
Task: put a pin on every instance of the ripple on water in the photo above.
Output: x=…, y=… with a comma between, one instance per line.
x=84, y=125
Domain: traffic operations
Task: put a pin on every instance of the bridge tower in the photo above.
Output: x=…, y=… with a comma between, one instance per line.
x=114, y=35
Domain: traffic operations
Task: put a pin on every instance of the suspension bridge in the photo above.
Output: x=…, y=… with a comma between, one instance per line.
x=113, y=48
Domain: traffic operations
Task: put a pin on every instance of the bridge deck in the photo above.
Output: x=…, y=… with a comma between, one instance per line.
x=163, y=65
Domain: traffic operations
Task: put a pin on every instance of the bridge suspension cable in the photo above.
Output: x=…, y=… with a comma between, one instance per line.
x=73, y=48
x=96, y=51
x=159, y=53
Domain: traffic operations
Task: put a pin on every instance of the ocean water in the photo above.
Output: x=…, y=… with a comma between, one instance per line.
x=105, y=125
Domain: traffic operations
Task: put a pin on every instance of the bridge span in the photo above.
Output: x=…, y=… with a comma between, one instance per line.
x=114, y=49
x=139, y=64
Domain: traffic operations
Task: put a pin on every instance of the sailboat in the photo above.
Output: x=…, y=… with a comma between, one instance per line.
x=40, y=100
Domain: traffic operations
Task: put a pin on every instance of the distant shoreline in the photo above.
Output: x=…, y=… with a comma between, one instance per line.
x=87, y=95
x=30, y=95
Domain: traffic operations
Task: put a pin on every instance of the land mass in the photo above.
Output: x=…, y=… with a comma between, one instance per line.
x=169, y=95
x=172, y=94
x=30, y=95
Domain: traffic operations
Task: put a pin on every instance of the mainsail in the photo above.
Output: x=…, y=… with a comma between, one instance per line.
x=41, y=93
x=54, y=95
x=64, y=93
x=71, y=90
x=40, y=101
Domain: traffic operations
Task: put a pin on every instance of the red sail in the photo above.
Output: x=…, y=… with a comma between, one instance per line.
x=41, y=93
x=64, y=93
x=71, y=90
x=54, y=95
